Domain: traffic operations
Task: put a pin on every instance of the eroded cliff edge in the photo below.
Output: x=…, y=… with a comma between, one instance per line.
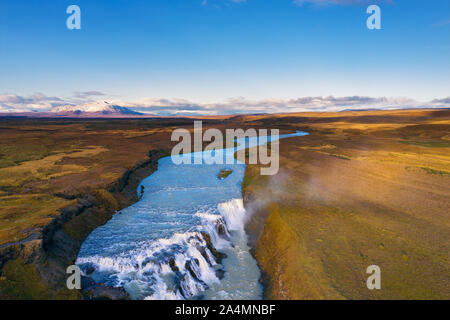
x=349, y=197
x=35, y=268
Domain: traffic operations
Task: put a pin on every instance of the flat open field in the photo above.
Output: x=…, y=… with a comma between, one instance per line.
x=59, y=179
x=363, y=188
x=369, y=188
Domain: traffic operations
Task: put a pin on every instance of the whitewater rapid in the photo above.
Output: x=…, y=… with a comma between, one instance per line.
x=184, y=239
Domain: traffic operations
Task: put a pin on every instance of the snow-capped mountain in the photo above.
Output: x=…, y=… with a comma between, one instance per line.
x=101, y=107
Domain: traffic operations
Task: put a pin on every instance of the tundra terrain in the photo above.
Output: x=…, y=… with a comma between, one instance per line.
x=363, y=188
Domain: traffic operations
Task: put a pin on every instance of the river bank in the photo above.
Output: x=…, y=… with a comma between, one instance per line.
x=55, y=192
x=364, y=188
x=355, y=193
x=156, y=249
x=47, y=255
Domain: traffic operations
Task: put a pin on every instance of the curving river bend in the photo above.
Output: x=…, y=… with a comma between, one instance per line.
x=170, y=244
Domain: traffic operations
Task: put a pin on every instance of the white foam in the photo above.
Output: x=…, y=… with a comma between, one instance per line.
x=150, y=274
x=234, y=214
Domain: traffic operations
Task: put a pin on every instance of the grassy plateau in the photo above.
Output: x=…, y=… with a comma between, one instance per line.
x=363, y=188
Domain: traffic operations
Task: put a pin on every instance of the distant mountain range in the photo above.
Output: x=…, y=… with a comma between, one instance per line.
x=95, y=108
x=101, y=109
x=104, y=109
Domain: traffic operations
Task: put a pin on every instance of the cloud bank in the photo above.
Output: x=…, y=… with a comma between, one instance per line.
x=302, y=2
x=180, y=107
x=330, y=2
x=242, y=105
x=39, y=102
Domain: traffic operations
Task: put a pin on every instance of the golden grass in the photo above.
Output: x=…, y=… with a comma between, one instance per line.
x=20, y=215
x=344, y=200
x=364, y=188
x=22, y=280
x=41, y=159
x=46, y=168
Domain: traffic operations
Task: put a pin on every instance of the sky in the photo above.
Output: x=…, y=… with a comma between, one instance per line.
x=224, y=56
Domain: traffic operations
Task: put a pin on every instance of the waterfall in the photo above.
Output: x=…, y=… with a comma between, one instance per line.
x=180, y=267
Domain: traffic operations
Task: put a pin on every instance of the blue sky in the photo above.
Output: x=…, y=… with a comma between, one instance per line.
x=214, y=50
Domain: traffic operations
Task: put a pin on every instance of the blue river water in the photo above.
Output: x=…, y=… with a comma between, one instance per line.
x=170, y=244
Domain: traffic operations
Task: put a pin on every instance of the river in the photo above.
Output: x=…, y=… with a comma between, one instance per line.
x=170, y=244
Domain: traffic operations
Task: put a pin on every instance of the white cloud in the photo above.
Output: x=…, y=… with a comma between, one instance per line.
x=338, y=2
x=87, y=94
x=241, y=105
x=206, y=2
x=39, y=102
x=238, y=105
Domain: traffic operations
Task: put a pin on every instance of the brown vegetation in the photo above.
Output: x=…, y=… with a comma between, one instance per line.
x=363, y=188
x=60, y=179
